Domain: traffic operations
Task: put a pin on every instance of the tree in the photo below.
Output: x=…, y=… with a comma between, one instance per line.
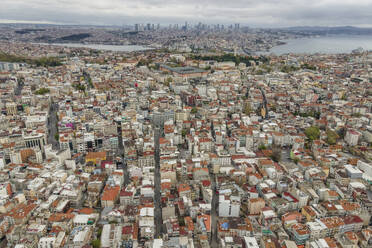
x=184, y=132
x=56, y=136
x=308, y=66
x=261, y=147
x=332, y=137
x=90, y=83
x=143, y=62
x=194, y=110
x=96, y=243
x=181, y=221
x=273, y=107
x=43, y=61
x=289, y=68
x=47, y=61
x=312, y=133
x=247, y=108
x=276, y=155
x=42, y=91
x=79, y=87
x=99, y=232
x=168, y=81
x=341, y=132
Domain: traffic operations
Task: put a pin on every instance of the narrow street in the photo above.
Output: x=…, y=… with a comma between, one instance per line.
x=121, y=152
x=157, y=199
x=214, y=210
x=52, y=126
x=264, y=102
x=19, y=88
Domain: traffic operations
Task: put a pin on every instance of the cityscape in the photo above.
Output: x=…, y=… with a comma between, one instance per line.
x=184, y=134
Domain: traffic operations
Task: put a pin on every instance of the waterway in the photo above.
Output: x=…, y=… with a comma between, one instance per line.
x=115, y=48
x=323, y=44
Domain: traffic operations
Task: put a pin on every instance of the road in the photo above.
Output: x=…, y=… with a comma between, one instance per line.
x=157, y=199
x=19, y=88
x=214, y=205
x=264, y=102
x=52, y=126
x=122, y=155
x=286, y=155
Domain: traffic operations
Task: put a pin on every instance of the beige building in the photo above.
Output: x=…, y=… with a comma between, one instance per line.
x=11, y=108
x=255, y=205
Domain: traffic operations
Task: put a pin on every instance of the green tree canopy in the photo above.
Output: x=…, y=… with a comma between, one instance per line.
x=332, y=137
x=312, y=133
x=261, y=147
x=42, y=91
x=247, y=108
x=96, y=243
x=194, y=110
x=168, y=81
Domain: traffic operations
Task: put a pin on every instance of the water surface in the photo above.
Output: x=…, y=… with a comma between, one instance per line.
x=324, y=44
x=115, y=48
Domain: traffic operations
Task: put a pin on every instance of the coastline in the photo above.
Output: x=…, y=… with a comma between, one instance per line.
x=106, y=47
x=329, y=44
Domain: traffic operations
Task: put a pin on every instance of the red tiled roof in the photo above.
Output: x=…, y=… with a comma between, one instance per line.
x=110, y=193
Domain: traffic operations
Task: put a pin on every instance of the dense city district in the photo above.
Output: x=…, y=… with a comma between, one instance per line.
x=177, y=148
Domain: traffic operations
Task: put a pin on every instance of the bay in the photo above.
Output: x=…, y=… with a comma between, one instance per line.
x=323, y=44
x=115, y=48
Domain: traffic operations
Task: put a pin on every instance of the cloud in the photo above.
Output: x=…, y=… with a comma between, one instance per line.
x=250, y=12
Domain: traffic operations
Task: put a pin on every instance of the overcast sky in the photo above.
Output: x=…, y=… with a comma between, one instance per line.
x=255, y=13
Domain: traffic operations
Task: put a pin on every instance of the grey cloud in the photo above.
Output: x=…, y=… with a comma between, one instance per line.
x=250, y=12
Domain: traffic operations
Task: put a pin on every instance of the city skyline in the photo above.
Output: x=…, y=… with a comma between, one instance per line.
x=268, y=13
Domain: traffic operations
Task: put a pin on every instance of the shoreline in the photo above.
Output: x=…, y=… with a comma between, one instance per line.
x=105, y=47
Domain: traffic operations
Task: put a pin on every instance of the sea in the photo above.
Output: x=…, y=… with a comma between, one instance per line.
x=115, y=48
x=323, y=44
